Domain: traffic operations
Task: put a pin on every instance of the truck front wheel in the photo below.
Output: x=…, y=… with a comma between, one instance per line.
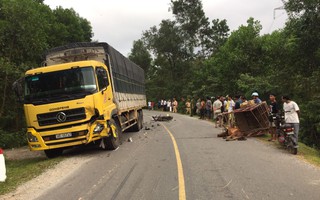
x=112, y=142
x=53, y=153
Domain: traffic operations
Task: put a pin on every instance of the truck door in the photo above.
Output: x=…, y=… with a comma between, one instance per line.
x=105, y=89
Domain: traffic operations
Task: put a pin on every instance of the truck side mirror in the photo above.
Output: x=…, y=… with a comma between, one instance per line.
x=18, y=89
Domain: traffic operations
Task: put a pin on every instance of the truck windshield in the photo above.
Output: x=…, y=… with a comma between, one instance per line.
x=60, y=85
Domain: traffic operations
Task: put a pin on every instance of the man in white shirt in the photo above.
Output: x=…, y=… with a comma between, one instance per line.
x=169, y=107
x=217, y=104
x=291, y=115
x=164, y=105
x=149, y=105
x=230, y=107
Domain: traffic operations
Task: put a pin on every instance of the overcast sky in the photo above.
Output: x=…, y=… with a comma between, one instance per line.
x=120, y=22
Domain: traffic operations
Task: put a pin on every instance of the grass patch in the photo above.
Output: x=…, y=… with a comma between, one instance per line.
x=310, y=154
x=307, y=153
x=21, y=171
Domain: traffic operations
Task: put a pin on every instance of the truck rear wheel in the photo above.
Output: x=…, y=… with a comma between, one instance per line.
x=53, y=153
x=139, y=125
x=111, y=142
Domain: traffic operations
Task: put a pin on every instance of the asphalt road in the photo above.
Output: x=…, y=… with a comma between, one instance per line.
x=200, y=166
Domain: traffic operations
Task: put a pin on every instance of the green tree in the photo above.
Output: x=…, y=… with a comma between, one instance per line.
x=195, y=27
x=303, y=29
x=67, y=27
x=167, y=45
x=215, y=37
x=239, y=55
x=192, y=21
x=179, y=46
x=27, y=29
x=22, y=41
x=22, y=33
x=141, y=56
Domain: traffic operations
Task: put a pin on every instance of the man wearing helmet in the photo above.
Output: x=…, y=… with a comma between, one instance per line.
x=255, y=97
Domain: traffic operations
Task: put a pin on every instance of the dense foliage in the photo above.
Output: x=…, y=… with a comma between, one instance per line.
x=195, y=57
x=27, y=29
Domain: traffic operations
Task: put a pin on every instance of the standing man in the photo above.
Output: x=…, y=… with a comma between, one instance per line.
x=198, y=105
x=255, y=97
x=217, y=105
x=188, y=107
x=230, y=107
x=208, y=108
x=238, y=102
x=202, y=109
x=274, y=110
x=149, y=105
x=169, y=106
x=291, y=116
x=175, y=105
x=193, y=107
x=162, y=104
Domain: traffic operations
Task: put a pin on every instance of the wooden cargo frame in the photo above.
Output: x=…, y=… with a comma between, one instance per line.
x=251, y=120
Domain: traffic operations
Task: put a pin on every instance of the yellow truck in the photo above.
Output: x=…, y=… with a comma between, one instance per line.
x=85, y=93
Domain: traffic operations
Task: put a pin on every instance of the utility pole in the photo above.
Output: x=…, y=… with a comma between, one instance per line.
x=278, y=8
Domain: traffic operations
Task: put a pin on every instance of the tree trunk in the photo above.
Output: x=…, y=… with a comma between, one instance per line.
x=5, y=84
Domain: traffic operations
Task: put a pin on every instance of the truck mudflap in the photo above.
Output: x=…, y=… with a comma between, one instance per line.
x=62, y=138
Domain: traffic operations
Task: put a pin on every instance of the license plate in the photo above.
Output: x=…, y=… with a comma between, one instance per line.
x=63, y=135
x=290, y=133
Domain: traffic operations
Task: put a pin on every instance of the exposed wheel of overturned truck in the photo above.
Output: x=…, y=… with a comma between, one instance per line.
x=53, y=153
x=139, y=125
x=113, y=141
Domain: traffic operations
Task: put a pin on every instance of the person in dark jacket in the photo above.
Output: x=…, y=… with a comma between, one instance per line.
x=274, y=110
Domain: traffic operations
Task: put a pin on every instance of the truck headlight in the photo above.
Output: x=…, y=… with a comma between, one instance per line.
x=31, y=138
x=98, y=128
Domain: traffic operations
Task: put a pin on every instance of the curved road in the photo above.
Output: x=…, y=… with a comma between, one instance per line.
x=210, y=168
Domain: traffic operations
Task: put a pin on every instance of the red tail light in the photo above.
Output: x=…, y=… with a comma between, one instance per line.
x=288, y=129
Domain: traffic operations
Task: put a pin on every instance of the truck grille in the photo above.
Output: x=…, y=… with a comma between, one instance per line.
x=59, y=117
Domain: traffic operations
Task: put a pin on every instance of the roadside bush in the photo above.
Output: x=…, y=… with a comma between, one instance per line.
x=7, y=122
x=181, y=107
x=310, y=123
x=12, y=139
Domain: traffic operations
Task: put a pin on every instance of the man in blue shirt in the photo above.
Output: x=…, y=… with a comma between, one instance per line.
x=255, y=97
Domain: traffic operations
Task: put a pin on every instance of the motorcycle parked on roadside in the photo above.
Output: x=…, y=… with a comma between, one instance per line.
x=285, y=133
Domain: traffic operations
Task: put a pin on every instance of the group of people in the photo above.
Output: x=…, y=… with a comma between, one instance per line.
x=165, y=105
x=228, y=104
x=212, y=108
x=291, y=112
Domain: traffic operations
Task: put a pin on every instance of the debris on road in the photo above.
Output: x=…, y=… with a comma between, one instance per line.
x=130, y=139
x=231, y=134
x=162, y=118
